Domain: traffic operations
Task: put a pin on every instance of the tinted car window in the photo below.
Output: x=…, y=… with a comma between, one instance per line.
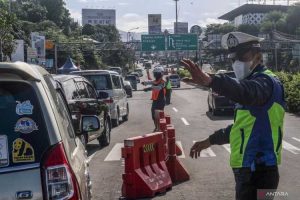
x=70, y=89
x=132, y=78
x=116, y=81
x=23, y=133
x=174, y=77
x=100, y=82
x=82, y=90
x=63, y=112
x=92, y=92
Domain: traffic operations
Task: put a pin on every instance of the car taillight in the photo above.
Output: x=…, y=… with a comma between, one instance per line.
x=110, y=100
x=59, y=179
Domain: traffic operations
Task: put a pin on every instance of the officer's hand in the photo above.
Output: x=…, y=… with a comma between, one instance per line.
x=198, y=147
x=198, y=75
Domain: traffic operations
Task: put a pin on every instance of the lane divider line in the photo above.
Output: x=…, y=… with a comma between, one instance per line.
x=91, y=157
x=291, y=148
x=298, y=140
x=227, y=147
x=115, y=153
x=175, y=109
x=206, y=152
x=184, y=121
x=180, y=146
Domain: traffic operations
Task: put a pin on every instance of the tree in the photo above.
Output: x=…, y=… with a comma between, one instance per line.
x=57, y=12
x=7, y=22
x=274, y=20
x=247, y=28
x=88, y=29
x=292, y=19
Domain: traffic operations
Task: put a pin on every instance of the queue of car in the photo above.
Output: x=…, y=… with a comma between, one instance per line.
x=49, y=119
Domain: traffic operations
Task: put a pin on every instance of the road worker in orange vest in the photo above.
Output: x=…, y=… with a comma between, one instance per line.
x=158, y=88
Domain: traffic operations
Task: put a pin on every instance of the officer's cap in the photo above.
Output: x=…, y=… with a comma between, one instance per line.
x=236, y=41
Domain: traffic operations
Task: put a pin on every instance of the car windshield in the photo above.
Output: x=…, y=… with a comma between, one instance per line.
x=23, y=134
x=174, y=77
x=130, y=78
x=100, y=82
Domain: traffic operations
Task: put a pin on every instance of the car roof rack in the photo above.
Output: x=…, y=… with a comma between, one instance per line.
x=23, y=70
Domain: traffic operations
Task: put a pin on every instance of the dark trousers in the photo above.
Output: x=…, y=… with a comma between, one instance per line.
x=156, y=106
x=248, y=182
x=168, y=96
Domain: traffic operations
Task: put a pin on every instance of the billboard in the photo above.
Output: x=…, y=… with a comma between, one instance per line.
x=38, y=42
x=99, y=17
x=18, y=54
x=182, y=27
x=154, y=23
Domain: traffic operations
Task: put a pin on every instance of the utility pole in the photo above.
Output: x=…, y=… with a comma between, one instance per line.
x=176, y=10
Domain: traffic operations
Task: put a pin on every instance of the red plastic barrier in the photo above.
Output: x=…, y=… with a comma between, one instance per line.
x=177, y=171
x=146, y=173
x=168, y=119
x=163, y=121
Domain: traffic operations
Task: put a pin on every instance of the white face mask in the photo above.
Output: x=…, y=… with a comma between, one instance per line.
x=242, y=69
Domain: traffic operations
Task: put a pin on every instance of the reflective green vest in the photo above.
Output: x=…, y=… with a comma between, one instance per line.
x=169, y=86
x=256, y=135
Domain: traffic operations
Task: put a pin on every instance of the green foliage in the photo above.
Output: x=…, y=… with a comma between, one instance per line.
x=291, y=83
x=219, y=28
x=250, y=29
x=184, y=73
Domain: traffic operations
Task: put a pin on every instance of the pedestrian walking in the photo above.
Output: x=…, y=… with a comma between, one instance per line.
x=255, y=137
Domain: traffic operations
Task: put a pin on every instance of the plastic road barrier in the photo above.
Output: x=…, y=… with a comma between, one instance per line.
x=146, y=173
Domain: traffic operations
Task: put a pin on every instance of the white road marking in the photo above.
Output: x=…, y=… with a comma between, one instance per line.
x=175, y=109
x=184, y=121
x=206, y=152
x=115, y=153
x=291, y=148
x=180, y=146
x=296, y=139
x=91, y=157
x=227, y=147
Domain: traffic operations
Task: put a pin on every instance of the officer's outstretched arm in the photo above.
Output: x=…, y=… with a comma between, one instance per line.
x=255, y=92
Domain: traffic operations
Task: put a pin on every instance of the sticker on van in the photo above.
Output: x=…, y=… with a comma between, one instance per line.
x=4, y=157
x=22, y=151
x=26, y=125
x=24, y=108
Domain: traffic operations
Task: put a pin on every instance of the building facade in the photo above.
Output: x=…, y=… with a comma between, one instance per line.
x=252, y=14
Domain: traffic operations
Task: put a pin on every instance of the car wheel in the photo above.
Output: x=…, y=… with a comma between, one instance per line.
x=105, y=137
x=84, y=139
x=125, y=118
x=116, y=122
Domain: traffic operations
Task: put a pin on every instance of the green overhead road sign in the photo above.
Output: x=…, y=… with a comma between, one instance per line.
x=188, y=42
x=153, y=43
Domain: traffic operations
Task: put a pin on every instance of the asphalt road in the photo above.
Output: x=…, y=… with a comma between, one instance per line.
x=211, y=175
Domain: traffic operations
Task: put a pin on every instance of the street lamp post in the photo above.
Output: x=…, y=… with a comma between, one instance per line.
x=129, y=33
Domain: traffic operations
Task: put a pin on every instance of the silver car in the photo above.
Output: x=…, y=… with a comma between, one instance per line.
x=110, y=87
x=40, y=157
x=175, y=80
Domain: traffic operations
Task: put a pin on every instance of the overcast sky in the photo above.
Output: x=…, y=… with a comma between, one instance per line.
x=134, y=13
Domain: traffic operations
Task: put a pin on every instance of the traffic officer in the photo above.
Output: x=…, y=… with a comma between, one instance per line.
x=168, y=90
x=158, y=92
x=255, y=137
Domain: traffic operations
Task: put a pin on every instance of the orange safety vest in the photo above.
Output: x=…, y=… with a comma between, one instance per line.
x=156, y=88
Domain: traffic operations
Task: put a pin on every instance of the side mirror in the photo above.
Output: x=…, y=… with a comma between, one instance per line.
x=90, y=123
x=103, y=95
